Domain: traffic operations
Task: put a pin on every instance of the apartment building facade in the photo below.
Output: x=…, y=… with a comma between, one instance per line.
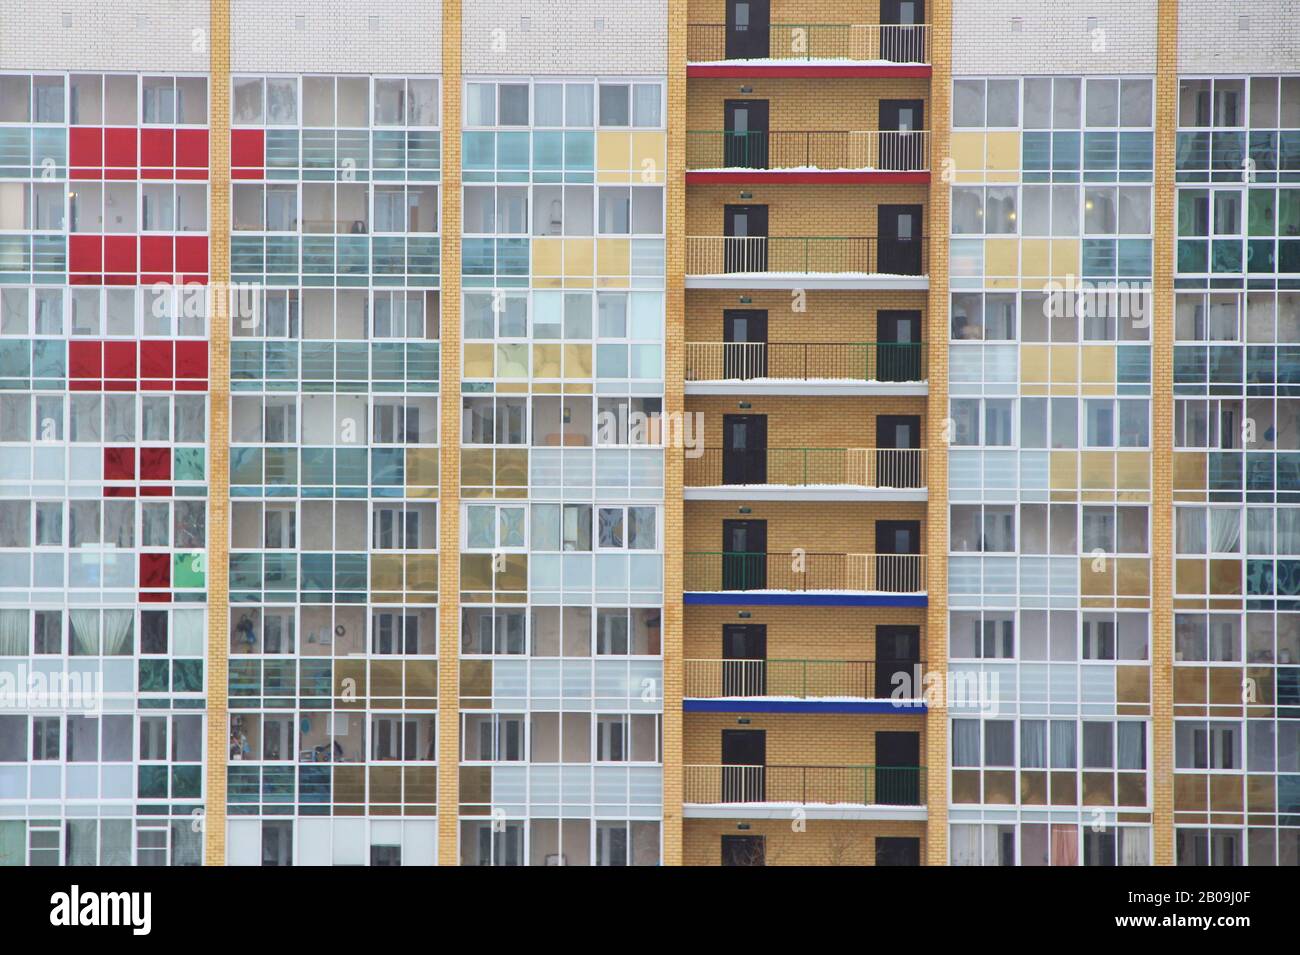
x=700, y=432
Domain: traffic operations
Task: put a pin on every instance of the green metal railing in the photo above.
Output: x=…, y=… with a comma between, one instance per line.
x=717, y=571
x=884, y=149
x=803, y=361
x=803, y=467
x=801, y=679
x=831, y=785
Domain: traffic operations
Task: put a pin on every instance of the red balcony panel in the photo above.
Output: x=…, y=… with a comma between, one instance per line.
x=119, y=464
x=156, y=359
x=155, y=464
x=86, y=253
x=120, y=256
x=155, y=570
x=85, y=359
x=191, y=154
x=119, y=360
x=121, y=148
x=157, y=153
x=86, y=149
x=157, y=261
x=192, y=258
x=247, y=153
x=192, y=360
x=119, y=491
x=155, y=490
x=154, y=597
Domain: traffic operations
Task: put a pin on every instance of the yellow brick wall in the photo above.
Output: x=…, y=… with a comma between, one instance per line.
x=796, y=210
x=674, y=367
x=817, y=843
x=805, y=422
x=936, y=649
x=818, y=739
x=817, y=527
x=800, y=633
x=1162, y=406
x=449, y=450
x=218, y=559
x=802, y=104
x=827, y=316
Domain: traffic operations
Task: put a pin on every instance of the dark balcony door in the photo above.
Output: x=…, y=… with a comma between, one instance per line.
x=901, y=39
x=899, y=229
x=744, y=759
x=749, y=24
x=907, y=118
x=744, y=330
x=745, y=137
x=898, y=777
x=898, y=348
x=744, y=659
x=898, y=650
x=744, y=449
x=743, y=850
x=898, y=850
x=894, y=538
x=897, y=433
x=746, y=230
x=744, y=555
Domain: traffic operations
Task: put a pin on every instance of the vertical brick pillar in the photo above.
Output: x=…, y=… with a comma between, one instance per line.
x=937, y=433
x=674, y=405
x=449, y=449
x=218, y=552
x=1161, y=765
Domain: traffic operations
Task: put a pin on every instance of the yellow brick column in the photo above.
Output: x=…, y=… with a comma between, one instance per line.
x=449, y=450
x=674, y=405
x=218, y=553
x=937, y=432
x=1162, y=437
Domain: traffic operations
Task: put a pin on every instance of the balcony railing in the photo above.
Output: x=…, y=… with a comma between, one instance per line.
x=859, y=42
x=798, y=679
x=805, y=361
x=805, y=467
x=829, y=785
x=716, y=571
x=855, y=255
x=882, y=149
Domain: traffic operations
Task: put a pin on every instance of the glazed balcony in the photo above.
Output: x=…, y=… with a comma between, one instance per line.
x=829, y=49
x=809, y=262
x=812, y=368
x=808, y=156
x=802, y=474
x=802, y=686
x=804, y=579
x=853, y=792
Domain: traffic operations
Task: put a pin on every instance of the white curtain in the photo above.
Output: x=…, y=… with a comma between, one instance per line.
x=1063, y=748
x=965, y=742
x=1135, y=845
x=83, y=626
x=119, y=633
x=13, y=633
x=964, y=845
x=1225, y=530
x=1033, y=744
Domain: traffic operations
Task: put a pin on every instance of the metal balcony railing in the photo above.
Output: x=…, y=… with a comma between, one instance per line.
x=860, y=42
x=806, y=361
x=805, y=255
x=717, y=571
x=828, y=785
x=877, y=149
x=805, y=467
x=799, y=679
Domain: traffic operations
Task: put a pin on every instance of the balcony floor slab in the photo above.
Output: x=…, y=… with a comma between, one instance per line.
x=865, y=281
x=828, y=387
x=802, y=598
x=782, y=810
x=779, y=492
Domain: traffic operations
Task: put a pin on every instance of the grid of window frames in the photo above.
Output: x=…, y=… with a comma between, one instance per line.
x=334, y=470
x=1236, y=455
x=562, y=475
x=103, y=467
x=1049, y=470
